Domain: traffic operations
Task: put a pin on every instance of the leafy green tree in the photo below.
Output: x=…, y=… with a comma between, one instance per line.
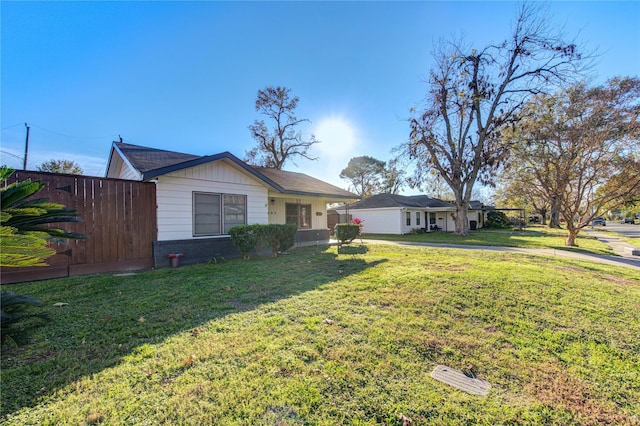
x=60, y=166
x=474, y=94
x=365, y=174
x=26, y=224
x=284, y=142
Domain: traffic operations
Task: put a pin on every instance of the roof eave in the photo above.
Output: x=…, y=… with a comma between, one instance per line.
x=151, y=174
x=114, y=149
x=318, y=194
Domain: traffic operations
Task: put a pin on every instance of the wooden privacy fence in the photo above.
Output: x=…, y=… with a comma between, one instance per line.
x=118, y=218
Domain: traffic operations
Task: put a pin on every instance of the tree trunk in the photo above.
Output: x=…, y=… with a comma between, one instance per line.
x=571, y=238
x=554, y=216
x=460, y=220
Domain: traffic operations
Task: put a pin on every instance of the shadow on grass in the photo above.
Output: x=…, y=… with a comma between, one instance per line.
x=348, y=249
x=105, y=317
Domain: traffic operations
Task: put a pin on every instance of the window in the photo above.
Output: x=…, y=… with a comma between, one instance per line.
x=432, y=218
x=417, y=218
x=214, y=214
x=408, y=218
x=234, y=211
x=298, y=214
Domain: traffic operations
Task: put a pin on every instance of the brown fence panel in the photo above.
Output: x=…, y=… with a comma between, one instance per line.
x=118, y=217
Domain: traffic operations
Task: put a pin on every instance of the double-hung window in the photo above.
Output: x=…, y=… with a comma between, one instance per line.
x=214, y=214
x=298, y=214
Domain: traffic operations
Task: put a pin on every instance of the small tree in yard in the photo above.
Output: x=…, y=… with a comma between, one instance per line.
x=474, y=94
x=284, y=142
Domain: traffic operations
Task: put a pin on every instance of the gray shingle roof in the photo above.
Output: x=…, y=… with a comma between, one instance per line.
x=299, y=183
x=145, y=159
x=394, y=200
x=151, y=162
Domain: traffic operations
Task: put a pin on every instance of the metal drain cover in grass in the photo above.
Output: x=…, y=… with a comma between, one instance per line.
x=459, y=380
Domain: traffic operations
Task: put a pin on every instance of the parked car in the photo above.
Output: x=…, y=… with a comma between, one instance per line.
x=599, y=221
x=628, y=220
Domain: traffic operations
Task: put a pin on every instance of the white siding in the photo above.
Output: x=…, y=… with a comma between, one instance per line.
x=175, y=199
x=121, y=170
x=403, y=220
x=277, y=210
x=380, y=221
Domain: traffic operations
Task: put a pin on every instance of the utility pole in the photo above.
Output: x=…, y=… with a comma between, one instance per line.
x=26, y=148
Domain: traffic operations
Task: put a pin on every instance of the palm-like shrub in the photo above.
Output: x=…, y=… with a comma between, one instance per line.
x=25, y=224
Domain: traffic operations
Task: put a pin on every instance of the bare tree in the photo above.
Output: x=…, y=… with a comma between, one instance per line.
x=393, y=177
x=274, y=147
x=474, y=94
x=580, y=147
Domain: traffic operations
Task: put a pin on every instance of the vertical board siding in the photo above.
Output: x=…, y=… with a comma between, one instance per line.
x=118, y=218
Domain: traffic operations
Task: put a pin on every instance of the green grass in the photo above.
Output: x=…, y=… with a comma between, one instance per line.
x=532, y=237
x=322, y=338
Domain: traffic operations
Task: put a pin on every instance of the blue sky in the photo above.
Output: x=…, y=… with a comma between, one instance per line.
x=184, y=76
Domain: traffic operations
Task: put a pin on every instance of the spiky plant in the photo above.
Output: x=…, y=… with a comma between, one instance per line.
x=25, y=224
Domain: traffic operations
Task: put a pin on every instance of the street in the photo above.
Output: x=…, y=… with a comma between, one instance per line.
x=626, y=229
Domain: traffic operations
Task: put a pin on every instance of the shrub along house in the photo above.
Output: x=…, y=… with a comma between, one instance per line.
x=400, y=214
x=200, y=197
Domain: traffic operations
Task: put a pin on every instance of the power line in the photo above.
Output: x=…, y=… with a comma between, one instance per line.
x=13, y=125
x=69, y=136
x=11, y=154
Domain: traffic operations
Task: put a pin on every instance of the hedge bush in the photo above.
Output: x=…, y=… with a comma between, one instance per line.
x=497, y=220
x=279, y=237
x=248, y=237
x=346, y=232
x=245, y=238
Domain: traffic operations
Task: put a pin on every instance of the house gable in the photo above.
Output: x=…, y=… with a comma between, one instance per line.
x=176, y=191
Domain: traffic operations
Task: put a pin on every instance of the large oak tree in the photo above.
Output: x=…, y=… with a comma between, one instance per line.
x=473, y=94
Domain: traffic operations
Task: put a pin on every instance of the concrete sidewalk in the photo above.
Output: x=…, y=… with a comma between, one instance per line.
x=616, y=244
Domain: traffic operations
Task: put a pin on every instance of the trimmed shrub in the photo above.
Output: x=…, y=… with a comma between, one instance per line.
x=347, y=232
x=279, y=237
x=246, y=238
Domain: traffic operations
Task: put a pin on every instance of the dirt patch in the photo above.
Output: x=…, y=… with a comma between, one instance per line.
x=619, y=280
x=553, y=387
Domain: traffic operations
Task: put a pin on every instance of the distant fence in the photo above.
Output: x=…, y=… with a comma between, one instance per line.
x=118, y=217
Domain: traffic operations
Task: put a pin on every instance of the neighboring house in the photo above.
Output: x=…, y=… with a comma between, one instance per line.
x=399, y=214
x=200, y=197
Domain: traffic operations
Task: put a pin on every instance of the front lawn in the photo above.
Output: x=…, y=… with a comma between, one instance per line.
x=321, y=338
x=532, y=237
